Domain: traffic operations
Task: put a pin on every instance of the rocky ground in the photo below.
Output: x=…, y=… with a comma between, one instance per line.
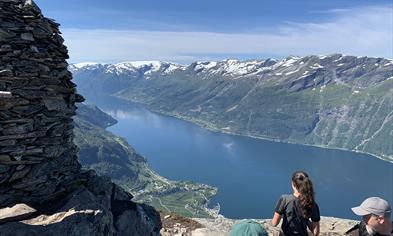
x=179, y=226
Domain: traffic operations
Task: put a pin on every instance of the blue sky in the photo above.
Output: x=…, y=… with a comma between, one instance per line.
x=189, y=30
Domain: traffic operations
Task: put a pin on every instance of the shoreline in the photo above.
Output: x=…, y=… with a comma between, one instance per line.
x=208, y=126
x=211, y=127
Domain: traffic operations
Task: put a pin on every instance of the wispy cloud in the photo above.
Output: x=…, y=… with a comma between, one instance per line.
x=365, y=31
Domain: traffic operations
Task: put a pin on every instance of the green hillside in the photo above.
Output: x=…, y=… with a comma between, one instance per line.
x=112, y=156
x=336, y=101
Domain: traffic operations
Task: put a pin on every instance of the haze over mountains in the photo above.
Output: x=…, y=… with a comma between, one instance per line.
x=333, y=101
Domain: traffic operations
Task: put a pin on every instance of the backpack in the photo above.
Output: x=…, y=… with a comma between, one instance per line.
x=296, y=221
x=248, y=228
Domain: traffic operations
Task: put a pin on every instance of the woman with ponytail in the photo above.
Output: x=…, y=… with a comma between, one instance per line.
x=299, y=209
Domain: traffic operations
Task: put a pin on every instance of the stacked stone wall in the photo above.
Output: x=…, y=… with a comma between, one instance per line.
x=43, y=190
x=37, y=100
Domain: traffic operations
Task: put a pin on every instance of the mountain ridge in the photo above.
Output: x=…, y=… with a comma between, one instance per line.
x=237, y=67
x=335, y=101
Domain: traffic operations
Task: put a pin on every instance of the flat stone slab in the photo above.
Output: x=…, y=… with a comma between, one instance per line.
x=16, y=213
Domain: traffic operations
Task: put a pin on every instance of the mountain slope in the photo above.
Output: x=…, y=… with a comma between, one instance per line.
x=330, y=101
x=111, y=155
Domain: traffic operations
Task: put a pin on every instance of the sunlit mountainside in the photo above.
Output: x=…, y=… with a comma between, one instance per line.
x=333, y=101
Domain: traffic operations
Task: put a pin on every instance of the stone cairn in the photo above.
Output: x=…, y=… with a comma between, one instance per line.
x=38, y=159
x=37, y=100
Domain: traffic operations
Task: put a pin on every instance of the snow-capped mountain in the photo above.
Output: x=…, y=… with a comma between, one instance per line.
x=334, y=101
x=293, y=72
x=293, y=65
x=132, y=67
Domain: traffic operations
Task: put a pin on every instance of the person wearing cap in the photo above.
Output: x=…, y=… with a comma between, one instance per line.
x=376, y=218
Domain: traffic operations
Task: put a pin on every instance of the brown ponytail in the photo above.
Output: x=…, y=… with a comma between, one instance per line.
x=304, y=186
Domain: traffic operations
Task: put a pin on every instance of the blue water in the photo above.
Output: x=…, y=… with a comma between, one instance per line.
x=250, y=173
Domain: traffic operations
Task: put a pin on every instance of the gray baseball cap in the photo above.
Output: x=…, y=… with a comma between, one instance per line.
x=373, y=205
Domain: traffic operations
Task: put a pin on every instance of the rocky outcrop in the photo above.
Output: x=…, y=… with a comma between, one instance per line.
x=97, y=207
x=179, y=226
x=38, y=159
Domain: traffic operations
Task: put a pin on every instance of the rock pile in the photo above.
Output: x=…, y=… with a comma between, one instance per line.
x=38, y=161
x=37, y=154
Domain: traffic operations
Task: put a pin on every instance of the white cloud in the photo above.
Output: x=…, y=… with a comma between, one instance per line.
x=365, y=31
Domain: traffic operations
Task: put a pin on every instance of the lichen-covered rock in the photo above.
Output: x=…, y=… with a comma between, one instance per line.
x=38, y=161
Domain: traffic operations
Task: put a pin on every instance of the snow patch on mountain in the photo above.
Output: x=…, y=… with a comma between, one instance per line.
x=173, y=67
x=85, y=64
x=235, y=69
x=292, y=72
x=287, y=62
x=206, y=65
x=136, y=65
x=389, y=63
x=316, y=66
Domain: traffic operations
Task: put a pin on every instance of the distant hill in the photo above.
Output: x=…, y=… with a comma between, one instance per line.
x=333, y=101
x=112, y=156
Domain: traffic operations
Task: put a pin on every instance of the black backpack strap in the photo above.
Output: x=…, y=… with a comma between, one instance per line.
x=296, y=220
x=355, y=227
x=361, y=228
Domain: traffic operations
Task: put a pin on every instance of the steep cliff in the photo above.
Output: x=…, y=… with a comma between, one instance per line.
x=43, y=190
